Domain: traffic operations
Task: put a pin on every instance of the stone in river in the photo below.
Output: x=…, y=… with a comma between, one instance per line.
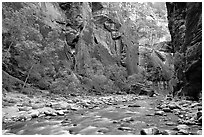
x=183, y=126
x=168, y=132
x=160, y=113
x=134, y=105
x=150, y=131
x=34, y=113
x=124, y=128
x=170, y=123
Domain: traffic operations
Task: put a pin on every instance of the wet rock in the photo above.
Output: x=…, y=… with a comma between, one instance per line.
x=150, y=131
x=37, y=106
x=21, y=118
x=165, y=119
x=195, y=105
x=134, y=105
x=168, y=132
x=60, y=112
x=185, y=105
x=24, y=108
x=167, y=110
x=176, y=111
x=183, y=132
x=88, y=130
x=48, y=111
x=199, y=108
x=200, y=121
x=7, y=132
x=124, y=128
x=149, y=114
x=199, y=114
x=103, y=130
x=160, y=113
x=10, y=110
x=182, y=127
x=171, y=124
x=116, y=121
x=181, y=116
x=66, y=122
x=150, y=124
x=162, y=106
x=74, y=107
x=199, y=132
x=173, y=106
x=56, y=105
x=127, y=119
x=41, y=115
x=34, y=113
x=188, y=122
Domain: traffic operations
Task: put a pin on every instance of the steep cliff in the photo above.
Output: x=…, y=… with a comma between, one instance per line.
x=94, y=31
x=185, y=25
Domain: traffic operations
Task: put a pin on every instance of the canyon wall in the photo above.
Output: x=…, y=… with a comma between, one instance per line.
x=185, y=25
x=94, y=31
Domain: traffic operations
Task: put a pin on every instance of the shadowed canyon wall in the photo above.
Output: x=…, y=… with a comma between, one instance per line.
x=185, y=25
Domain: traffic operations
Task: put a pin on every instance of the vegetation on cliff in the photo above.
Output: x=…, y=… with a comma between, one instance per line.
x=75, y=47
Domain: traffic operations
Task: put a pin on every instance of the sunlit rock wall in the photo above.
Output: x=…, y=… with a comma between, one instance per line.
x=95, y=33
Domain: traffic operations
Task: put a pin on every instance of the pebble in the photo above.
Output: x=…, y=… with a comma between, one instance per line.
x=185, y=105
x=167, y=110
x=74, y=107
x=176, y=111
x=195, y=104
x=149, y=114
x=183, y=132
x=182, y=127
x=103, y=130
x=115, y=122
x=150, y=131
x=60, y=112
x=134, y=105
x=24, y=108
x=168, y=132
x=37, y=106
x=127, y=119
x=199, y=132
x=162, y=106
x=124, y=128
x=34, y=113
x=173, y=106
x=200, y=120
x=171, y=124
x=160, y=113
x=199, y=114
x=56, y=105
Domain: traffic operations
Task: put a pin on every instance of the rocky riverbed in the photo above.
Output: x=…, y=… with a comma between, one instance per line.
x=46, y=114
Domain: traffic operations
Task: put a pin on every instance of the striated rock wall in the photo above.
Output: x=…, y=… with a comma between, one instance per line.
x=185, y=25
x=93, y=31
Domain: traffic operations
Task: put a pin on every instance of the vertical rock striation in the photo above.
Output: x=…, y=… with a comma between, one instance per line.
x=185, y=25
x=94, y=31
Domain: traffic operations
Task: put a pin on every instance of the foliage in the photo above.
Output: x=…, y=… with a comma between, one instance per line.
x=28, y=46
x=33, y=47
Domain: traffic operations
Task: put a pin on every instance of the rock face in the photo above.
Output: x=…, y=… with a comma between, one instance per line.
x=93, y=31
x=185, y=25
